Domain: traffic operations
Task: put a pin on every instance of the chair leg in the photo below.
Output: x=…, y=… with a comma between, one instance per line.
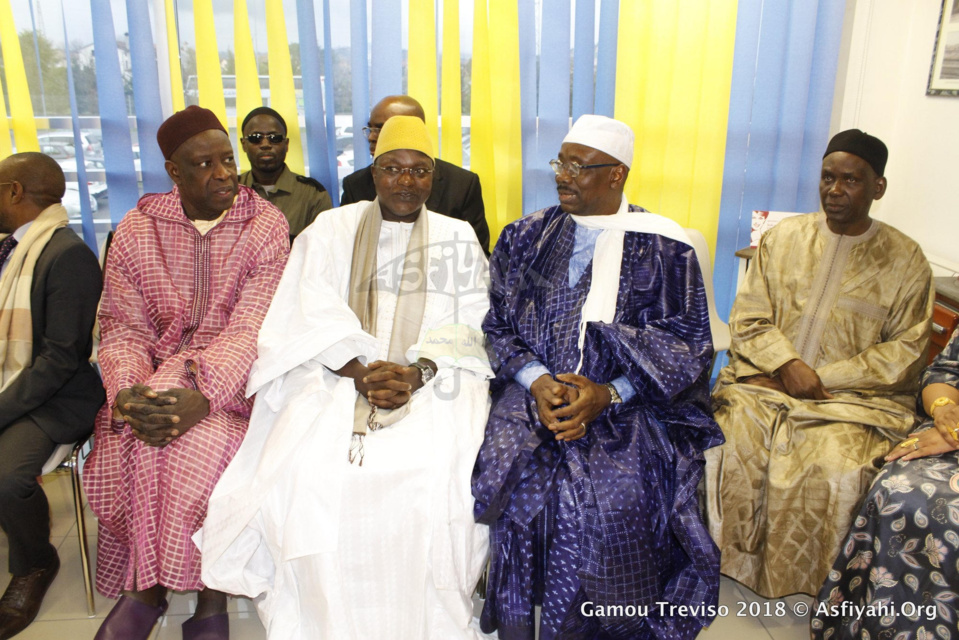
x=481, y=584
x=82, y=529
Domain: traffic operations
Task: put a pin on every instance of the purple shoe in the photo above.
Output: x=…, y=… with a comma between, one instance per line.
x=130, y=619
x=212, y=628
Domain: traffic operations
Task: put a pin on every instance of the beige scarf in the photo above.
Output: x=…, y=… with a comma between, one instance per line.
x=410, y=304
x=16, y=285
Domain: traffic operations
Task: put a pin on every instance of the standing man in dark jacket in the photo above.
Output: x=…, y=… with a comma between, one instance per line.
x=456, y=192
x=49, y=392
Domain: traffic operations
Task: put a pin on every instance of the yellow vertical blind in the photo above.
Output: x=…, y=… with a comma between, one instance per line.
x=282, y=89
x=507, y=126
x=715, y=84
x=452, y=105
x=673, y=73
x=173, y=51
x=421, y=83
x=6, y=147
x=481, y=115
x=208, y=75
x=248, y=95
x=21, y=109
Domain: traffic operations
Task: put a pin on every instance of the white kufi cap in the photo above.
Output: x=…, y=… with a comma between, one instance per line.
x=610, y=136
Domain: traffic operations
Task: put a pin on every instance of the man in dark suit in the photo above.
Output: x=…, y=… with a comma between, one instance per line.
x=50, y=393
x=456, y=192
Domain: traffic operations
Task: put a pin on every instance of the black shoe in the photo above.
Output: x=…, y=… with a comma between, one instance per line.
x=21, y=601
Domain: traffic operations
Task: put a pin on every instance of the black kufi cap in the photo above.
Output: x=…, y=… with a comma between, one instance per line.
x=869, y=148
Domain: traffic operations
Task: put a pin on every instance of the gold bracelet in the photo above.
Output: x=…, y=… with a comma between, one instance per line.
x=940, y=402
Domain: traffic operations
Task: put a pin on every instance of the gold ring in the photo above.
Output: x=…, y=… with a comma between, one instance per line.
x=583, y=425
x=909, y=442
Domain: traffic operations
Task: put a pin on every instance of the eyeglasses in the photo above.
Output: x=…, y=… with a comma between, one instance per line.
x=274, y=138
x=395, y=172
x=572, y=169
x=368, y=131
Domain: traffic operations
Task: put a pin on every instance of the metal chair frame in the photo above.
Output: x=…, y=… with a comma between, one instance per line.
x=68, y=456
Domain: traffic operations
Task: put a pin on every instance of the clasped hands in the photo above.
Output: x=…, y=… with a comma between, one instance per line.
x=386, y=385
x=568, y=403
x=796, y=379
x=156, y=418
x=940, y=438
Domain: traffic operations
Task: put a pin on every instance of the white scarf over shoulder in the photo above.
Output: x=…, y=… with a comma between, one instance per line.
x=600, y=305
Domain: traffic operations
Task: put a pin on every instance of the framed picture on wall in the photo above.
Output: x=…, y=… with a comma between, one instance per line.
x=944, y=73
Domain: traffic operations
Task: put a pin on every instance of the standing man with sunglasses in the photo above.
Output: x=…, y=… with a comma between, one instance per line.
x=598, y=333
x=456, y=192
x=264, y=140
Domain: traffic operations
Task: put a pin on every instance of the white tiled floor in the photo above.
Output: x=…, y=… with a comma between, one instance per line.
x=63, y=614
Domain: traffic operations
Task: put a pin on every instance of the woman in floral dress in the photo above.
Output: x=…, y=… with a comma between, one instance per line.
x=897, y=575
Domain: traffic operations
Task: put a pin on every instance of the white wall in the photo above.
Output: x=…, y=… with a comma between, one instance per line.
x=881, y=89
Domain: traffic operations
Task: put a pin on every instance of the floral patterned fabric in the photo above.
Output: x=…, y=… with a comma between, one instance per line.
x=897, y=575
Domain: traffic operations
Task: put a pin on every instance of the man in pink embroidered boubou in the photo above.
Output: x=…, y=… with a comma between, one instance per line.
x=189, y=278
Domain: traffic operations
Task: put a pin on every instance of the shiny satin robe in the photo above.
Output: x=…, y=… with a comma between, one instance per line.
x=783, y=489
x=611, y=519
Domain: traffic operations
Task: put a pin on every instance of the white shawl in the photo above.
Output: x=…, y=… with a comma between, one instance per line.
x=600, y=305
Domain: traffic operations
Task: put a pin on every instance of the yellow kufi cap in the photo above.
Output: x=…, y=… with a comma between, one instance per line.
x=404, y=132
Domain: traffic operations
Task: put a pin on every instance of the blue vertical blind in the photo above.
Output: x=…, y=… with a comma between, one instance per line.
x=359, y=68
x=319, y=159
x=553, y=108
x=328, y=97
x=86, y=211
x=784, y=72
x=387, y=60
x=526, y=16
x=584, y=58
x=146, y=84
x=781, y=94
x=606, y=58
x=117, y=144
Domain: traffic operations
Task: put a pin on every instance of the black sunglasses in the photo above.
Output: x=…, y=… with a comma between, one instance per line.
x=274, y=138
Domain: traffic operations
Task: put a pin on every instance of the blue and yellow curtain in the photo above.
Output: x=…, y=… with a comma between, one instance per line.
x=730, y=100
x=780, y=103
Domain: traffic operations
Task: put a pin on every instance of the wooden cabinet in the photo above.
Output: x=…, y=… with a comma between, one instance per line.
x=945, y=315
